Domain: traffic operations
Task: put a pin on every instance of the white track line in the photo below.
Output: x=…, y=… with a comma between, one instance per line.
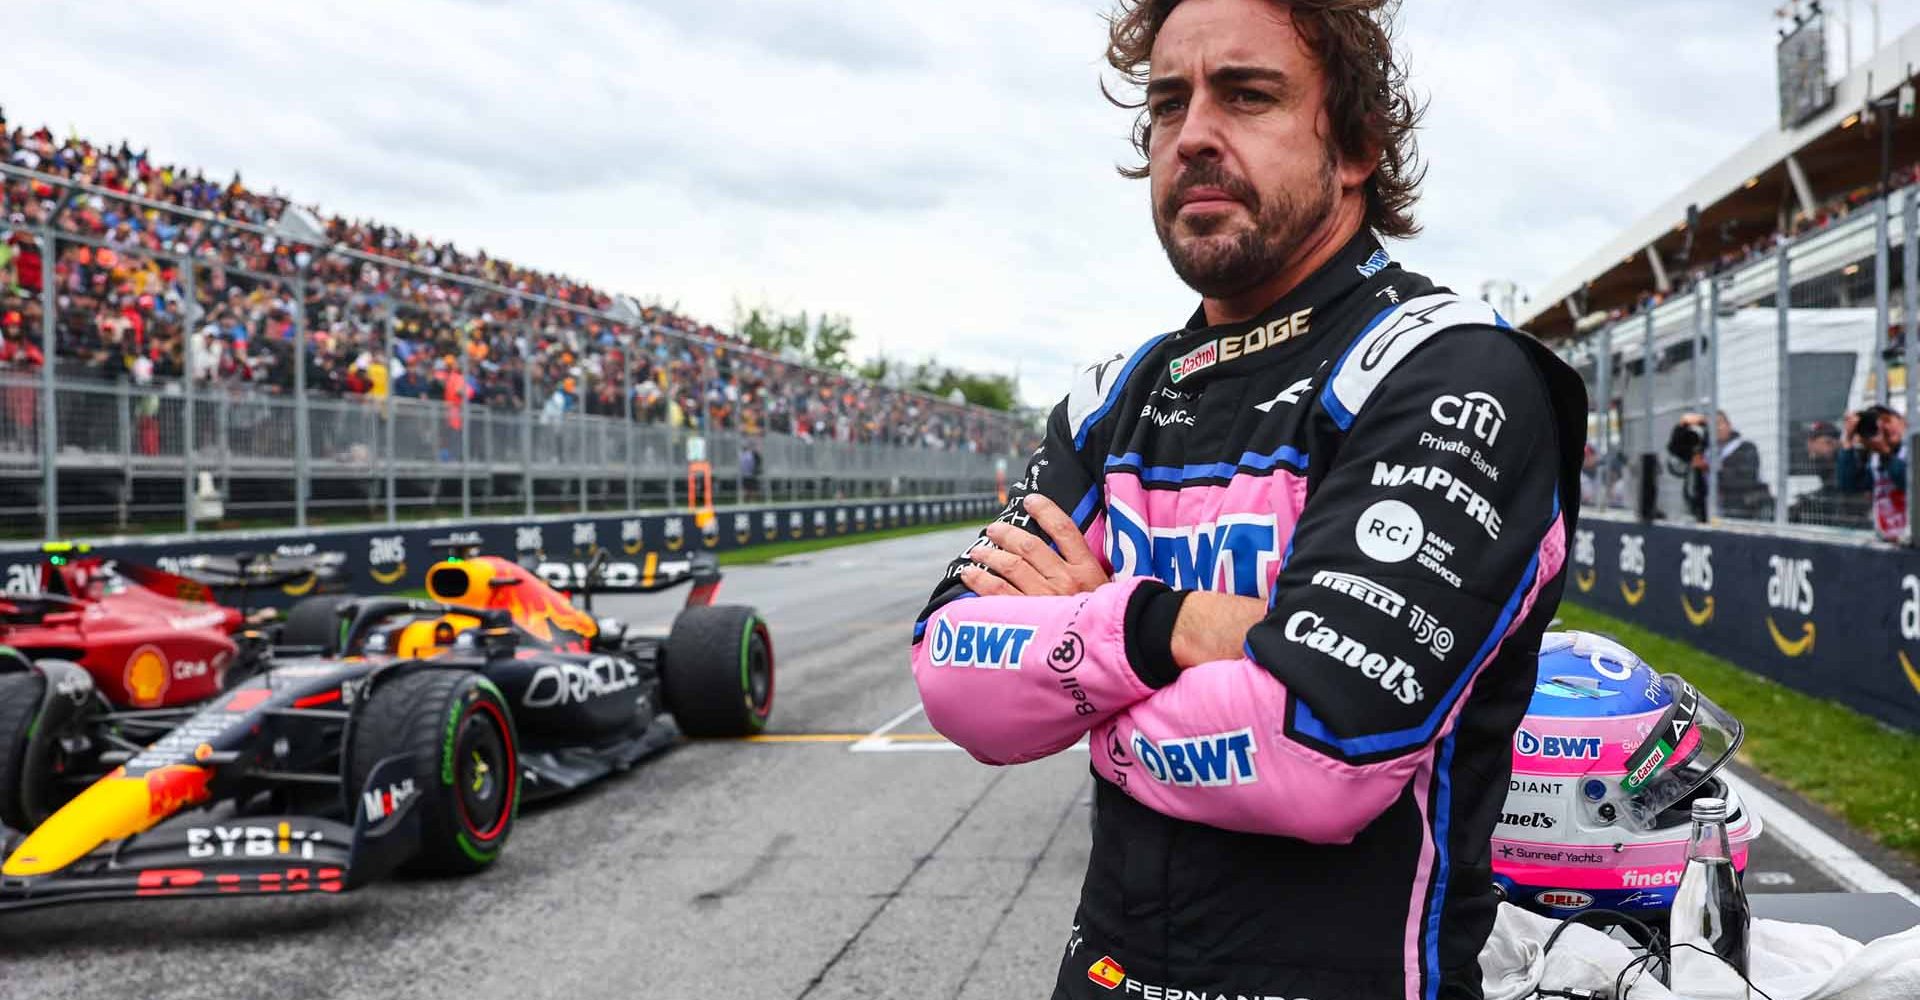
x=897, y=721
x=1836, y=859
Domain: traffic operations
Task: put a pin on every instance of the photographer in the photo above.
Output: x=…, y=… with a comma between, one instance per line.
x=1742, y=494
x=1875, y=461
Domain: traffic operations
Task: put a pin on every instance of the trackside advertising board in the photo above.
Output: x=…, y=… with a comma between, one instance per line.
x=1835, y=620
x=387, y=558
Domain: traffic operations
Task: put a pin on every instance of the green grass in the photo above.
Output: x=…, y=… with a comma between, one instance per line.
x=1856, y=767
x=769, y=551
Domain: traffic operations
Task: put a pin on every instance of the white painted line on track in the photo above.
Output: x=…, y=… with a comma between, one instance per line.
x=1836, y=859
x=879, y=736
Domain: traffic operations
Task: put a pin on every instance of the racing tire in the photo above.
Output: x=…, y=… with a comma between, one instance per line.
x=20, y=698
x=315, y=621
x=458, y=731
x=719, y=672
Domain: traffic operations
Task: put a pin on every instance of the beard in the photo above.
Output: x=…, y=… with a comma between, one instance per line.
x=1221, y=257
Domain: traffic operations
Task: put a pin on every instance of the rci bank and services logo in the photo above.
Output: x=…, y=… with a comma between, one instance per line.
x=1633, y=569
x=387, y=558
x=1696, y=577
x=1910, y=625
x=1585, y=575
x=1790, y=592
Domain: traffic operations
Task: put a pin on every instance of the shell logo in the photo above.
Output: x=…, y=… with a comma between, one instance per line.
x=146, y=676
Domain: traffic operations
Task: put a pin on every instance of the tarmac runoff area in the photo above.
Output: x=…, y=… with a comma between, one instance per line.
x=850, y=852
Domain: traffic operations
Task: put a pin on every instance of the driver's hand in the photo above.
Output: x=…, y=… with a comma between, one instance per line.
x=1024, y=565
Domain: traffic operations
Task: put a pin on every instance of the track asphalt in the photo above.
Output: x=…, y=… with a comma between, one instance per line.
x=824, y=862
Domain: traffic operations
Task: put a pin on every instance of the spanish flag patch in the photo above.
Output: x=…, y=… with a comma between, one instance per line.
x=1107, y=973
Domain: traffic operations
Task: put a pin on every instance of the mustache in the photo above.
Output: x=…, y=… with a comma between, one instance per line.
x=1208, y=175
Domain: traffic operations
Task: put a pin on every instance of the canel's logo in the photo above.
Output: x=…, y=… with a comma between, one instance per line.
x=1232, y=555
x=1553, y=747
x=1206, y=761
x=979, y=644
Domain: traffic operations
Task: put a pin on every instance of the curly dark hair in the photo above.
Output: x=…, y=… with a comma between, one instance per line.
x=1373, y=111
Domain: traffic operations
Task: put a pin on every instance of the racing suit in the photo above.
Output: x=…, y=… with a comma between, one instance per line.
x=1395, y=472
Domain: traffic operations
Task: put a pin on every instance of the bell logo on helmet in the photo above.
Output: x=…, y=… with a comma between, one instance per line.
x=1564, y=899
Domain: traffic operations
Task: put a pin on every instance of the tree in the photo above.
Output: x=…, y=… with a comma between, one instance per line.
x=823, y=341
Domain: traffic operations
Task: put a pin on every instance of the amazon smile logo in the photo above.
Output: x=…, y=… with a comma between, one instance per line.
x=1696, y=573
x=1633, y=569
x=1584, y=573
x=1790, y=590
x=387, y=558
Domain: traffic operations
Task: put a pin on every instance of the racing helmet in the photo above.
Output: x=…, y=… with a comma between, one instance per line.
x=1606, y=766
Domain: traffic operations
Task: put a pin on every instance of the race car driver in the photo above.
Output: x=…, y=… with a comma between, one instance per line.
x=1285, y=569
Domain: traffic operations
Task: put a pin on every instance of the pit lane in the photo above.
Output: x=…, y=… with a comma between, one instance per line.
x=851, y=854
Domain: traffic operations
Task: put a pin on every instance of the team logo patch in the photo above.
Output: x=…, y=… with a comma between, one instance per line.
x=979, y=644
x=1206, y=761
x=1195, y=361
x=1107, y=973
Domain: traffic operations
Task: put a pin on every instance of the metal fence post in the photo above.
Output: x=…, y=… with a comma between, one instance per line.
x=302, y=413
x=1783, y=435
x=388, y=407
x=1711, y=373
x=1603, y=380
x=1910, y=289
x=581, y=421
x=1646, y=408
x=1882, y=276
x=461, y=399
x=189, y=435
x=49, y=410
x=626, y=391
x=526, y=424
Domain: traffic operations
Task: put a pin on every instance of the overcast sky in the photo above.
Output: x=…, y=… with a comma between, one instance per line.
x=941, y=172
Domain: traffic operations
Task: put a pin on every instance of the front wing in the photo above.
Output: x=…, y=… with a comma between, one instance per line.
x=199, y=855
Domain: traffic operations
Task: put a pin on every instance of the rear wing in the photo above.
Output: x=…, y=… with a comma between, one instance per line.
x=599, y=574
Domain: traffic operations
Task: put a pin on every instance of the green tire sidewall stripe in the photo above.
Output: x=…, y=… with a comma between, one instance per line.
x=754, y=718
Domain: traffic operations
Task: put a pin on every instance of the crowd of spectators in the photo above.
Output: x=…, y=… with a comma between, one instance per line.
x=509, y=337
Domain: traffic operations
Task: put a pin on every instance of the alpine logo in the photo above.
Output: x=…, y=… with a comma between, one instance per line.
x=979, y=644
x=1291, y=394
x=1195, y=361
x=1556, y=747
x=1205, y=761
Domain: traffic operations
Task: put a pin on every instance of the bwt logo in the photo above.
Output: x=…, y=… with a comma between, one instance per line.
x=1232, y=555
x=979, y=644
x=1207, y=761
x=1478, y=413
x=1557, y=747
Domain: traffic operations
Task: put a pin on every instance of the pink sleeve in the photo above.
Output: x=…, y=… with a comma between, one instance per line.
x=1013, y=679
x=1210, y=749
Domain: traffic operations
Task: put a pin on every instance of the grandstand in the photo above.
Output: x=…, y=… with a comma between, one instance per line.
x=171, y=343
x=1798, y=248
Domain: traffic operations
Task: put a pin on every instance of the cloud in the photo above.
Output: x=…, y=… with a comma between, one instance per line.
x=943, y=175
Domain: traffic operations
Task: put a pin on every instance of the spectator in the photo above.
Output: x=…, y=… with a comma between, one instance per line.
x=1829, y=504
x=1742, y=494
x=749, y=470
x=1875, y=463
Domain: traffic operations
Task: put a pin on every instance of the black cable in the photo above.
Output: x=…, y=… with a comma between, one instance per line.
x=1723, y=961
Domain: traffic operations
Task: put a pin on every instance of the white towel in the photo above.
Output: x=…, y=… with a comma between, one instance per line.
x=1790, y=962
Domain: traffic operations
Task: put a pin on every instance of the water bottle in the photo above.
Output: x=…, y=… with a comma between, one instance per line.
x=1710, y=912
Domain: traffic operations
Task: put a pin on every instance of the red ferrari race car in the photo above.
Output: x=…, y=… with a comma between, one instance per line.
x=132, y=647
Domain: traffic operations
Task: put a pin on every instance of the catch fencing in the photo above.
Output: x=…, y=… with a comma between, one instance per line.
x=1785, y=343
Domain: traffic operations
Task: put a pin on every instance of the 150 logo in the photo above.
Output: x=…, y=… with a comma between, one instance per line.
x=1696, y=574
x=1790, y=590
x=1633, y=566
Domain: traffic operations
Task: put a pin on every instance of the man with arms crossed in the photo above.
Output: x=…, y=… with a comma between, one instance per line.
x=1286, y=568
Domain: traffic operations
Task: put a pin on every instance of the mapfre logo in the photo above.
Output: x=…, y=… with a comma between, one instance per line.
x=1696, y=575
x=1790, y=591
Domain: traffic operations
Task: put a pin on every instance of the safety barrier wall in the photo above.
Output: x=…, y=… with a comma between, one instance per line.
x=386, y=558
x=1836, y=619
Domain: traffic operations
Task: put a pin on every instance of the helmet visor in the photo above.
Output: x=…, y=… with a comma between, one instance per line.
x=1693, y=739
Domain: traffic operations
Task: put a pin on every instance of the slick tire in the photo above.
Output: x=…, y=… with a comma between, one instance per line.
x=719, y=672
x=458, y=731
x=20, y=697
x=315, y=621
